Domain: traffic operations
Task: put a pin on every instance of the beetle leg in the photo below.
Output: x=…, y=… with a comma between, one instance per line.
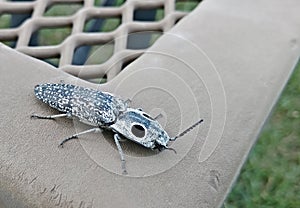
x=128, y=102
x=75, y=136
x=158, y=116
x=117, y=138
x=51, y=116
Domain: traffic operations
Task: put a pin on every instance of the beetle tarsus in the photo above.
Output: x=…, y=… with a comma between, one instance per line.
x=124, y=167
x=51, y=117
x=172, y=149
x=67, y=139
x=75, y=136
x=158, y=116
x=34, y=116
x=123, y=162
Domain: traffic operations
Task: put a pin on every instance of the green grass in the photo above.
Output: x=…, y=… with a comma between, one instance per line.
x=53, y=36
x=117, y=3
x=186, y=6
x=271, y=176
x=62, y=9
x=110, y=24
x=4, y=21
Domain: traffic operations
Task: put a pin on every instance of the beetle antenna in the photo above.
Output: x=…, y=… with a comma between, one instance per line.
x=187, y=130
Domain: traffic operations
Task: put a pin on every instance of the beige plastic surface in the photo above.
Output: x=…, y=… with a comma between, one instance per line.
x=226, y=62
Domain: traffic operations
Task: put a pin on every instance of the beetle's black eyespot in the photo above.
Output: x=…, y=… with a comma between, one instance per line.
x=138, y=130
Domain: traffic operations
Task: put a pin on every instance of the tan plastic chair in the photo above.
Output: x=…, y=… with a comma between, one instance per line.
x=225, y=62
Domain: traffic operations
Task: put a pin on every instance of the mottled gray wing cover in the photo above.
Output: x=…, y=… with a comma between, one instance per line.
x=90, y=106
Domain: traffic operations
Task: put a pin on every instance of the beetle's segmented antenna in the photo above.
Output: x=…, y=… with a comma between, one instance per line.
x=187, y=130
